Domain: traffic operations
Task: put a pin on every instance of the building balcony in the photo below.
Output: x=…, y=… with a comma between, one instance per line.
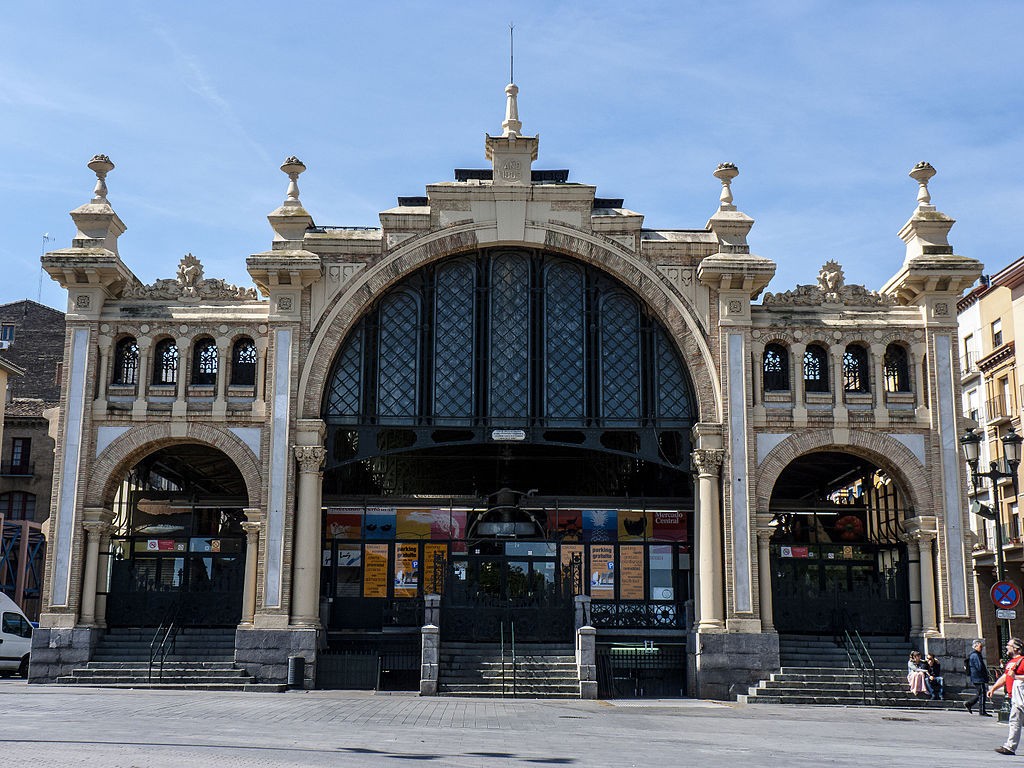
x=1000, y=409
x=9, y=469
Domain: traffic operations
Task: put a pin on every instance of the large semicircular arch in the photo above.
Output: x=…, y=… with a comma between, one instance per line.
x=675, y=314
x=128, y=449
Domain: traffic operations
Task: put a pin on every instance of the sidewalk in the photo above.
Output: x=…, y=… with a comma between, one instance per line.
x=49, y=726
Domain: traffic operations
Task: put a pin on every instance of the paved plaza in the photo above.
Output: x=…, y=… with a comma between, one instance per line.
x=51, y=726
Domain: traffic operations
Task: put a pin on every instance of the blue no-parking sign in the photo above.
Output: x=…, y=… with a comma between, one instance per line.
x=1005, y=594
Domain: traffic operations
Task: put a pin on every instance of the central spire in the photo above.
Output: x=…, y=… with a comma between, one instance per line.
x=512, y=125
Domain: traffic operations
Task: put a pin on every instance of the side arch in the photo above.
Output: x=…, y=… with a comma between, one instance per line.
x=886, y=452
x=673, y=311
x=125, y=451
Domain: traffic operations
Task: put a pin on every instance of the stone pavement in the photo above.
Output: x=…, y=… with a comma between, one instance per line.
x=52, y=726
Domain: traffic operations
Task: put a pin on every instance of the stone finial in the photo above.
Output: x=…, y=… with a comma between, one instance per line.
x=101, y=166
x=922, y=173
x=726, y=172
x=293, y=167
x=511, y=126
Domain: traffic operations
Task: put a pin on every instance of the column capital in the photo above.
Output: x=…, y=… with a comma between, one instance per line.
x=253, y=514
x=252, y=530
x=97, y=520
x=764, y=535
x=310, y=457
x=708, y=461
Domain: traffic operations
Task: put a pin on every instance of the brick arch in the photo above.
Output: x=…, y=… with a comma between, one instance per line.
x=887, y=453
x=674, y=312
x=110, y=467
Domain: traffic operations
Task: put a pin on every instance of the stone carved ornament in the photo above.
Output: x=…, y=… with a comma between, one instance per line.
x=831, y=289
x=189, y=284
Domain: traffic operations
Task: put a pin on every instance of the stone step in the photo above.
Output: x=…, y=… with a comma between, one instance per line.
x=538, y=691
x=167, y=665
x=191, y=672
x=848, y=701
x=182, y=686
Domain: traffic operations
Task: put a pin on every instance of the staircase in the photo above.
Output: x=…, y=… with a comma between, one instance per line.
x=817, y=671
x=200, y=659
x=543, y=671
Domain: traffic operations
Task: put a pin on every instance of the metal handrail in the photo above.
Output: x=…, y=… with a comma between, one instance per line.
x=512, y=630
x=864, y=664
x=169, y=636
x=502, y=659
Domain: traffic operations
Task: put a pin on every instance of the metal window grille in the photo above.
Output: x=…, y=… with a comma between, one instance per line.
x=776, y=368
x=815, y=369
x=855, y=369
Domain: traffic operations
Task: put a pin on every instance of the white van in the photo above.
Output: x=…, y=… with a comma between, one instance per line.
x=15, y=638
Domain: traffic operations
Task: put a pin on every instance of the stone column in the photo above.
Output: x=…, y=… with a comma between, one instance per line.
x=252, y=526
x=260, y=391
x=840, y=412
x=102, y=572
x=878, y=368
x=180, y=406
x=102, y=374
x=220, y=405
x=140, y=406
x=764, y=572
x=929, y=626
x=708, y=462
x=914, y=583
x=797, y=352
x=96, y=522
x=306, y=551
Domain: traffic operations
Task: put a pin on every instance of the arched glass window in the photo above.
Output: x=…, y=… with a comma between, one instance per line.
x=126, y=362
x=243, y=363
x=564, y=333
x=620, y=358
x=897, y=368
x=454, y=334
x=855, y=369
x=509, y=374
x=398, y=357
x=776, y=368
x=165, y=362
x=815, y=369
x=204, y=363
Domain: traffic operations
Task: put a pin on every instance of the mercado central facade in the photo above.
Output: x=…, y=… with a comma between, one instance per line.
x=510, y=413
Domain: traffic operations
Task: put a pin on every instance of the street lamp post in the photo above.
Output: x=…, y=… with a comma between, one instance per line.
x=971, y=444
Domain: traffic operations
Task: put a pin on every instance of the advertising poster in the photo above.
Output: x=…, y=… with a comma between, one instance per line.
x=375, y=572
x=660, y=558
x=458, y=519
x=564, y=524
x=434, y=558
x=380, y=523
x=600, y=524
x=631, y=572
x=415, y=523
x=569, y=551
x=602, y=572
x=407, y=570
x=635, y=524
x=669, y=525
x=344, y=523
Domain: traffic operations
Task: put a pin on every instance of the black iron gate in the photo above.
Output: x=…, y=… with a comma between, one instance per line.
x=824, y=589
x=488, y=598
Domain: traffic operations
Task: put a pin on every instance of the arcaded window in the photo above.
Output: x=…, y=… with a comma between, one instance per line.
x=776, y=368
x=897, y=369
x=243, y=363
x=815, y=369
x=126, y=362
x=165, y=363
x=855, y=369
x=204, y=363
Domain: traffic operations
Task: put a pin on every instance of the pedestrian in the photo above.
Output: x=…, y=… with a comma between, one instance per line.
x=916, y=674
x=934, y=677
x=1012, y=680
x=977, y=671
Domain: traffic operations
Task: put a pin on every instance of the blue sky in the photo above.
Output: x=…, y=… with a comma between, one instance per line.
x=824, y=106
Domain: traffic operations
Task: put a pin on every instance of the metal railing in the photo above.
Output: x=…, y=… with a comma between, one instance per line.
x=166, y=642
x=512, y=635
x=1000, y=407
x=860, y=659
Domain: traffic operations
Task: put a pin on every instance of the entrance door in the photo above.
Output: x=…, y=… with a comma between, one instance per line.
x=504, y=590
x=825, y=589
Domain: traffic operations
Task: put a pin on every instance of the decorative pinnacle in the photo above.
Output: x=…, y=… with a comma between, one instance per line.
x=512, y=126
x=101, y=166
x=293, y=167
x=726, y=172
x=921, y=173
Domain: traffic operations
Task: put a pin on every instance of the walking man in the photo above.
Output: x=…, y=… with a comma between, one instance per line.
x=978, y=673
x=1013, y=681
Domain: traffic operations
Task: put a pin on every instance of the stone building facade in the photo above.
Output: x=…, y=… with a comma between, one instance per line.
x=511, y=388
x=34, y=336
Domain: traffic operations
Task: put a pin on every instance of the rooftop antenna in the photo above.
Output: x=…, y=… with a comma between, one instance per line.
x=39, y=290
x=511, y=53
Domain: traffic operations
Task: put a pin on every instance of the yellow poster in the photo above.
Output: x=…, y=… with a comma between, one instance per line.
x=414, y=523
x=570, y=551
x=375, y=572
x=407, y=570
x=434, y=556
x=631, y=572
x=602, y=572
x=635, y=525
